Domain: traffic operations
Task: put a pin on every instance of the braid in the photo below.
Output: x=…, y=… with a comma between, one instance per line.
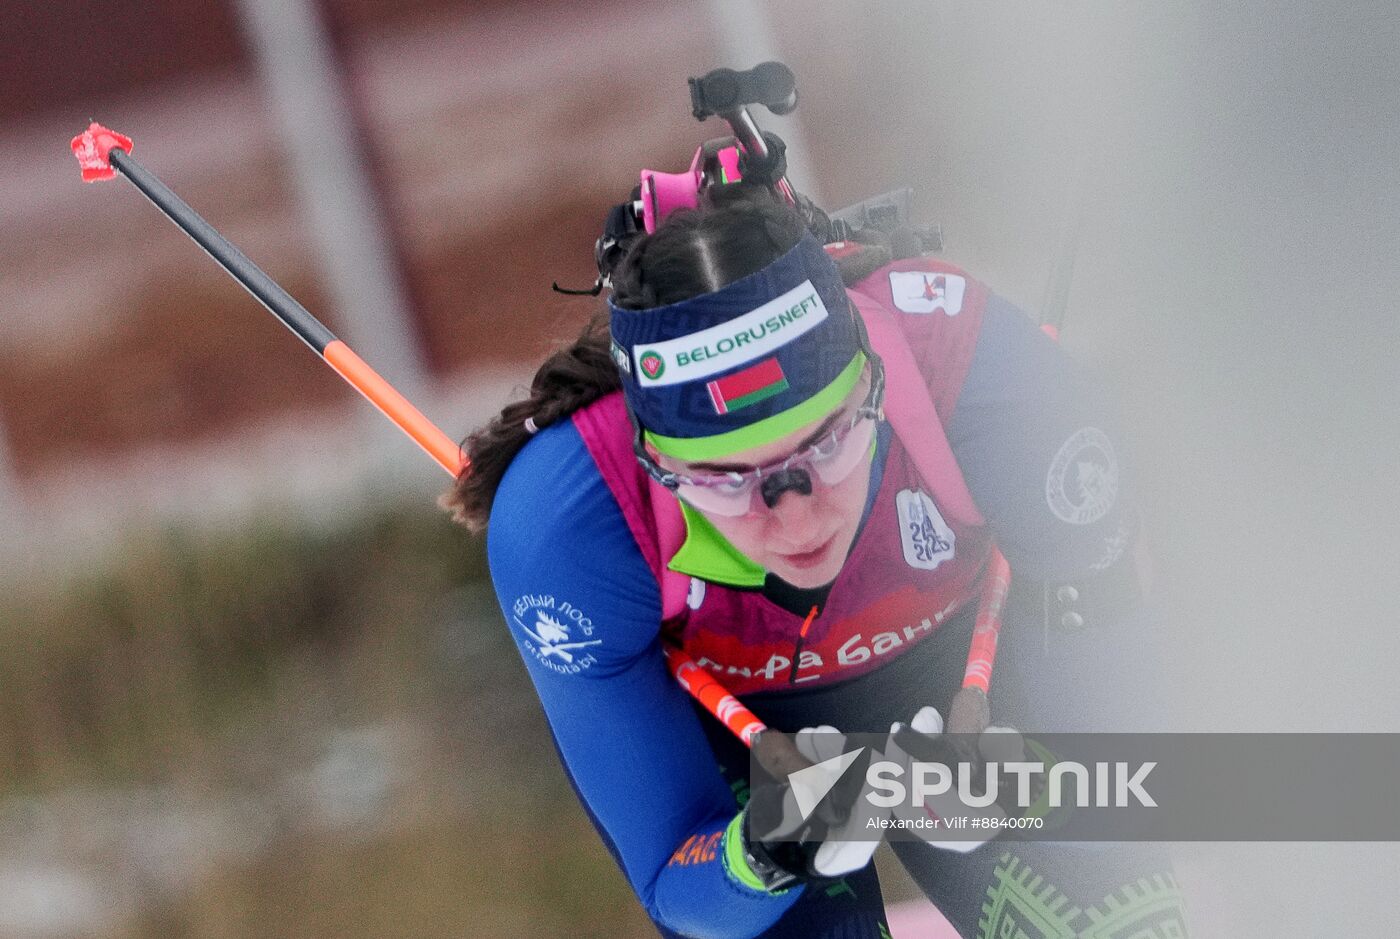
x=568, y=381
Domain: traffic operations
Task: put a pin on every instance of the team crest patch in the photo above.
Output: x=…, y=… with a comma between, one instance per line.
x=925, y=291
x=555, y=632
x=1082, y=484
x=926, y=538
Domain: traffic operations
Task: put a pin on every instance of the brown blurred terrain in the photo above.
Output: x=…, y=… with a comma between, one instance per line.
x=276, y=733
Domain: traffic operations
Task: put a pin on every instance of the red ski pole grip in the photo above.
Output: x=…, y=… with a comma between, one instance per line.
x=93, y=148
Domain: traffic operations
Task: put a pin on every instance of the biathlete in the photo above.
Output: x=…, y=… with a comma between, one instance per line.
x=709, y=467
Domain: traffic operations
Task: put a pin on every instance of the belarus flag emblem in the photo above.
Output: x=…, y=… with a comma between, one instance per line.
x=752, y=385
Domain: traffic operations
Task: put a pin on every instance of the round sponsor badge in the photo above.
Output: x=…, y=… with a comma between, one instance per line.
x=1082, y=484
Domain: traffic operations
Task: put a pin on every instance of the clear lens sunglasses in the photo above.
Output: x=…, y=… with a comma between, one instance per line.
x=832, y=458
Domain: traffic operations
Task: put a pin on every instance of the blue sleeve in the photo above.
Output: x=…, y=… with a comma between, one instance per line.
x=1039, y=445
x=585, y=611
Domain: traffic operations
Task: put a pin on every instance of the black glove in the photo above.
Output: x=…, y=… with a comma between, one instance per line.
x=817, y=847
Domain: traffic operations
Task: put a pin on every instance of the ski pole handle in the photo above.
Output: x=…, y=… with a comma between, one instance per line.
x=722, y=90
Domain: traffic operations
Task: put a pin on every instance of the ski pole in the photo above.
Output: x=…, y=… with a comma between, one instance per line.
x=706, y=689
x=983, y=652
x=777, y=753
x=102, y=153
x=970, y=712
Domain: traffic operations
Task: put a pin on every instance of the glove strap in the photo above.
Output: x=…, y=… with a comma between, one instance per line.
x=748, y=862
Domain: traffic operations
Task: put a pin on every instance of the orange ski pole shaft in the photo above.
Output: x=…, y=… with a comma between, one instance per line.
x=714, y=697
x=982, y=654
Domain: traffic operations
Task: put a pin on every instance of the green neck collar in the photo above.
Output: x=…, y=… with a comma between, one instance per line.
x=709, y=555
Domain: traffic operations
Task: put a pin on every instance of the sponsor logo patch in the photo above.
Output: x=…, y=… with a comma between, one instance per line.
x=737, y=342
x=555, y=632
x=925, y=292
x=1082, y=484
x=697, y=849
x=653, y=365
x=925, y=536
x=858, y=650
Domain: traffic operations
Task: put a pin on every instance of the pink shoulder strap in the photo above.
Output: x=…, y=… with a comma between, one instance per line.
x=670, y=535
x=911, y=413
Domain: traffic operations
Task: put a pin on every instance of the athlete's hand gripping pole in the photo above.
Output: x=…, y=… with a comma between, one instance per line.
x=102, y=153
x=969, y=713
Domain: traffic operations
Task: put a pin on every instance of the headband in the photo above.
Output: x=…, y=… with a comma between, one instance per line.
x=745, y=365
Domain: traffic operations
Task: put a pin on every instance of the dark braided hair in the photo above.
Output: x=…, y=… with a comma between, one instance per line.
x=737, y=230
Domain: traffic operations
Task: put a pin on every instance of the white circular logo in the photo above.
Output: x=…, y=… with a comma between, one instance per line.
x=555, y=631
x=1082, y=484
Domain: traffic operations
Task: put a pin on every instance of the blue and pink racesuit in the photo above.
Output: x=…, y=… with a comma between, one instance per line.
x=595, y=569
